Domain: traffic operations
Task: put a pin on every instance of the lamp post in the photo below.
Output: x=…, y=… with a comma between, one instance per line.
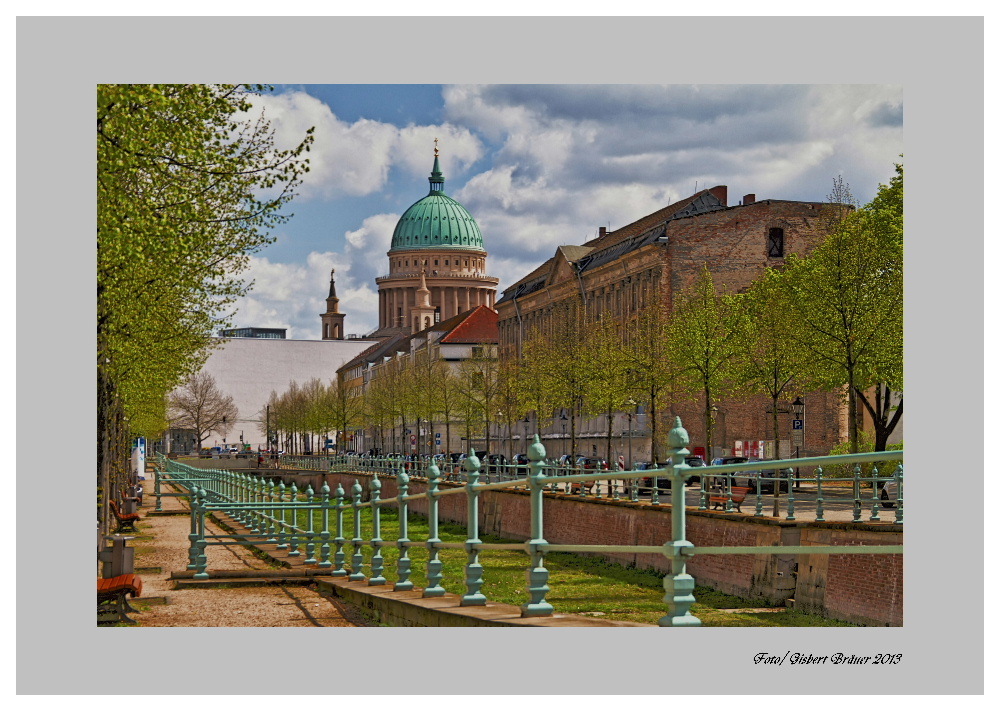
x=563, y=419
x=526, y=421
x=798, y=429
x=632, y=405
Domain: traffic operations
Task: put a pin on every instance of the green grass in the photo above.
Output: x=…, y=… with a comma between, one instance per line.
x=578, y=584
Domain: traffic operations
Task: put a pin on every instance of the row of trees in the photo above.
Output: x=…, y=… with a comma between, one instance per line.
x=187, y=187
x=830, y=321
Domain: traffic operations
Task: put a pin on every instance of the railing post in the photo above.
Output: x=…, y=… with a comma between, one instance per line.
x=403, y=564
x=269, y=527
x=791, y=494
x=876, y=490
x=358, y=559
x=310, y=558
x=434, y=564
x=293, y=547
x=678, y=585
x=324, y=548
x=201, y=561
x=193, y=535
x=537, y=574
x=157, y=473
x=338, y=556
x=898, y=475
x=377, y=560
x=819, y=495
x=473, y=569
x=857, y=493
x=282, y=544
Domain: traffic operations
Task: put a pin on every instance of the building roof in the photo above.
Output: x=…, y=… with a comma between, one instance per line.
x=481, y=325
x=436, y=221
x=612, y=245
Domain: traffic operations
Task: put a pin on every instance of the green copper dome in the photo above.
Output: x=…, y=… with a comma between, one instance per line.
x=437, y=221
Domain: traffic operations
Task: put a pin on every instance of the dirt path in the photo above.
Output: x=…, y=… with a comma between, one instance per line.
x=163, y=543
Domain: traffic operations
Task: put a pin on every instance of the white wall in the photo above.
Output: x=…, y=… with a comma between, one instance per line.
x=248, y=369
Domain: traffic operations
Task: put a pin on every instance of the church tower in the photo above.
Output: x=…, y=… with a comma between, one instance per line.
x=333, y=320
x=437, y=247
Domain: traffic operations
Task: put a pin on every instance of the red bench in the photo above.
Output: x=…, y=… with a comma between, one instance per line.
x=739, y=494
x=126, y=522
x=111, y=598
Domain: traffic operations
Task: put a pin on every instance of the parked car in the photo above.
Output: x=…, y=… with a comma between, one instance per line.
x=766, y=476
x=495, y=464
x=645, y=484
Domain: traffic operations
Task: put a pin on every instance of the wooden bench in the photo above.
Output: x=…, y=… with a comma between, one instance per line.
x=126, y=522
x=111, y=598
x=739, y=494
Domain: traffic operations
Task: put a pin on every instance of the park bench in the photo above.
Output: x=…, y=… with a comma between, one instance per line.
x=111, y=598
x=739, y=493
x=126, y=522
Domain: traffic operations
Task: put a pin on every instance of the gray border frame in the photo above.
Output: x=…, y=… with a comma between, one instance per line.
x=939, y=60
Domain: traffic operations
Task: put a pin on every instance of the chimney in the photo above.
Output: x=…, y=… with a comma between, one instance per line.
x=601, y=231
x=720, y=192
x=749, y=199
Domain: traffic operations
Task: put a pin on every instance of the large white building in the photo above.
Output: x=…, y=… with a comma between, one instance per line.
x=248, y=369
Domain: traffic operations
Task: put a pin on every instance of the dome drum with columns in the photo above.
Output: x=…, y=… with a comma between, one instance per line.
x=438, y=247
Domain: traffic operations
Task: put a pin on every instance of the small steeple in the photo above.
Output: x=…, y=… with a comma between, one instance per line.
x=332, y=300
x=332, y=320
x=437, y=177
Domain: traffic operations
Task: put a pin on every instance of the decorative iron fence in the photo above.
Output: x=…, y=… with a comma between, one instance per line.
x=300, y=521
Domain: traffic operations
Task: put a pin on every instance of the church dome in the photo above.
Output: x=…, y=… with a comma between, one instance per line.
x=436, y=221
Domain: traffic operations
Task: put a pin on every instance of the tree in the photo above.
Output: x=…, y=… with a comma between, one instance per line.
x=650, y=371
x=187, y=186
x=610, y=385
x=701, y=346
x=479, y=383
x=201, y=407
x=848, y=299
x=768, y=362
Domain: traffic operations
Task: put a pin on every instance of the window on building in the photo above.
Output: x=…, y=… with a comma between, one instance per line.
x=776, y=242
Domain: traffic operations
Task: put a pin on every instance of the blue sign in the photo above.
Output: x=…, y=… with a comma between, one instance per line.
x=796, y=424
x=437, y=436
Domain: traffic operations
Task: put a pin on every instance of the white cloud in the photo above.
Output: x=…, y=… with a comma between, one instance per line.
x=355, y=158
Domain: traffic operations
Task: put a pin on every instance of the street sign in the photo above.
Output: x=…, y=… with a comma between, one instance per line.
x=437, y=437
x=413, y=439
x=797, y=437
x=796, y=424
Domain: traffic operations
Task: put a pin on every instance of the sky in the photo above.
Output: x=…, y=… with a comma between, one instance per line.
x=540, y=166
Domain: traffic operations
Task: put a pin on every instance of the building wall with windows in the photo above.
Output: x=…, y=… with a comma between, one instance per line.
x=647, y=264
x=248, y=369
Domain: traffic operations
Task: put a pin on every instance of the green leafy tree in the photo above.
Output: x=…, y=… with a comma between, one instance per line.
x=188, y=184
x=610, y=384
x=702, y=348
x=766, y=361
x=648, y=362
x=848, y=299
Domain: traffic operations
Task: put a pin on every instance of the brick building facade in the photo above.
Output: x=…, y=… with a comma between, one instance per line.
x=650, y=261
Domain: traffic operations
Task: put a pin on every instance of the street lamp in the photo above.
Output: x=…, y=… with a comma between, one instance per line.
x=526, y=421
x=632, y=405
x=563, y=419
x=798, y=429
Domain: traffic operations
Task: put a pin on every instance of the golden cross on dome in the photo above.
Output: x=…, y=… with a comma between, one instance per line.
x=435, y=148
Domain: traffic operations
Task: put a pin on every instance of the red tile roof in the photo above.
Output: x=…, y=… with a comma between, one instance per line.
x=479, y=326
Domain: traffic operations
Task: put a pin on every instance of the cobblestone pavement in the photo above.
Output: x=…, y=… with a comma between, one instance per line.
x=162, y=544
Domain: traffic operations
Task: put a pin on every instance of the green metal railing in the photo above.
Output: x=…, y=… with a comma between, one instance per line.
x=300, y=522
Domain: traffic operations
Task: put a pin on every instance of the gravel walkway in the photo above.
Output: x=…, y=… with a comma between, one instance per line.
x=163, y=543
